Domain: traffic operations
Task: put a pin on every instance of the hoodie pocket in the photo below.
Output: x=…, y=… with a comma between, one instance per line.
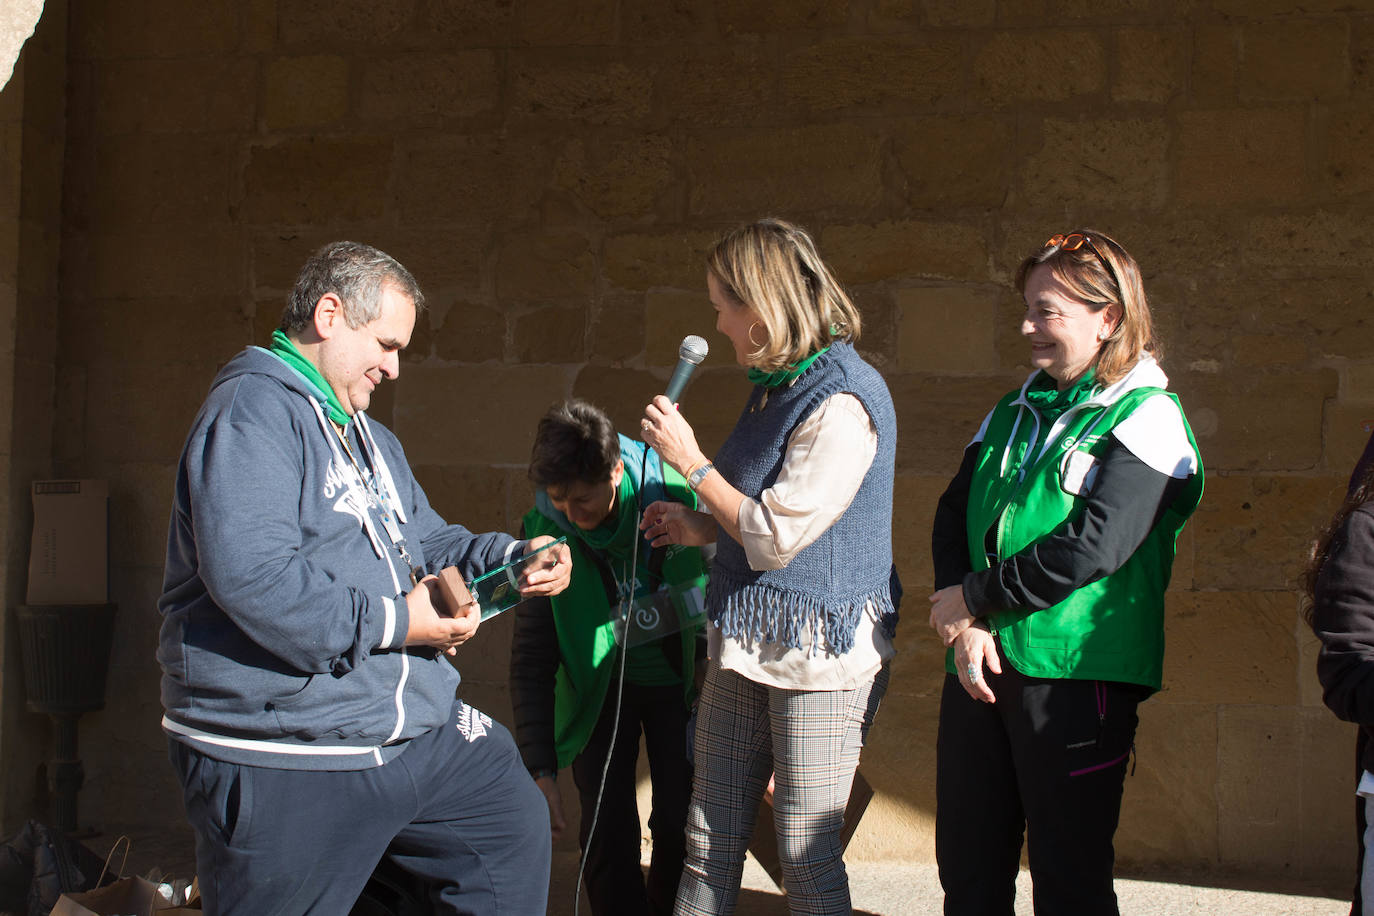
x=291, y=711
x=362, y=705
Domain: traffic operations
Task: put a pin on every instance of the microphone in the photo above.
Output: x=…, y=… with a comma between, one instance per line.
x=689, y=356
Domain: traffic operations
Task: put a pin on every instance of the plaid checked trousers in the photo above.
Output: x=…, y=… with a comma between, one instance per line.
x=810, y=741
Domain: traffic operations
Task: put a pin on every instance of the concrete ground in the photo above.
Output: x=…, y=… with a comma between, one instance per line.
x=881, y=889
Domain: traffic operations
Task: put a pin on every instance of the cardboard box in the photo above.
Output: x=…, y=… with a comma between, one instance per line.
x=69, y=554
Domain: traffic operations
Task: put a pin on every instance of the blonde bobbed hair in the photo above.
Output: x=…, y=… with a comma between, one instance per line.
x=1099, y=273
x=772, y=267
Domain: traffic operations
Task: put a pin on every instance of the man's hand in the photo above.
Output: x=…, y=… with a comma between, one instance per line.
x=949, y=615
x=549, y=786
x=551, y=574
x=430, y=628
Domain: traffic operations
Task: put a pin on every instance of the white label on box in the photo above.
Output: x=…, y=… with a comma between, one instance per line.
x=68, y=559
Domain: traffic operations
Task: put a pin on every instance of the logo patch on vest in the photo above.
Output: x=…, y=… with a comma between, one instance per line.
x=1089, y=441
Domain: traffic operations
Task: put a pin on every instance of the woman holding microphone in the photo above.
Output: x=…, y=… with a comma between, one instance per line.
x=803, y=595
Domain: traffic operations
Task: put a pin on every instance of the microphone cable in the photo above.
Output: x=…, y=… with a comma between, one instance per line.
x=690, y=355
x=626, y=605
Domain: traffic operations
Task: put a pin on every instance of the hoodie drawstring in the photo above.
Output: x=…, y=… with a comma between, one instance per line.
x=355, y=486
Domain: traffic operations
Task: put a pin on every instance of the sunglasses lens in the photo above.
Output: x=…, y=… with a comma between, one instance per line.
x=1067, y=242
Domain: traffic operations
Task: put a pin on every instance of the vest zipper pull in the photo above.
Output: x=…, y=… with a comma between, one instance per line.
x=1100, y=691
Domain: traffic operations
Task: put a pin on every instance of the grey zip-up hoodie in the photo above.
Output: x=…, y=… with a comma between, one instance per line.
x=284, y=624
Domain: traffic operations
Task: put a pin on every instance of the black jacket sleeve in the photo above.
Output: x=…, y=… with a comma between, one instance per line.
x=1126, y=502
x=534, y=660
x=949, y=538
x=1343, y=617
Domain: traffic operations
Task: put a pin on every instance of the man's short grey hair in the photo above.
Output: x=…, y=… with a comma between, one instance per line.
x=355, y=273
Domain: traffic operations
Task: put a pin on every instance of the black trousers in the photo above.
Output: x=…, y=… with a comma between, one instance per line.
x=615, y=884
x=1048, y=758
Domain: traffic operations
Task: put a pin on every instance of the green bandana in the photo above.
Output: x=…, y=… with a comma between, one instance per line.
x=784, y=375
x=616, y=536
x=284, y=348
x=1044, y=394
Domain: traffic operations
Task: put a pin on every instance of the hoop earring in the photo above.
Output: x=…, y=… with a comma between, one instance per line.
x=750, y=335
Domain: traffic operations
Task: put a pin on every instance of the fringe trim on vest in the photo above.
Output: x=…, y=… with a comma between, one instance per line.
x=764, y=613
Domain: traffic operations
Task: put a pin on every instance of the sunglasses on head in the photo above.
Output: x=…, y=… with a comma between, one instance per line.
x=1076, y=240
x=1072, y=242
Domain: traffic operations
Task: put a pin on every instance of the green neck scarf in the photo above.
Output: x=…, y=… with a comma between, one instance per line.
x=1044, y=394
x=284, y=348
x=616, y=536
x=786, y=374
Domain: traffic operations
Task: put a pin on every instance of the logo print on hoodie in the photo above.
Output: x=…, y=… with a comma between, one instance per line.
x=354, y=499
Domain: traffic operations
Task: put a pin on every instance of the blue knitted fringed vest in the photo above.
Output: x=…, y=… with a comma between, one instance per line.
x=827, y=584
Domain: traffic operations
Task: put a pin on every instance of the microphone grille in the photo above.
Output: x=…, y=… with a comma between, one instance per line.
x=693, y=349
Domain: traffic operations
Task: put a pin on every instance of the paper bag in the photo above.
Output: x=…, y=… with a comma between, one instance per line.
x=192, y=906
x=125, y=897
x=764, y=843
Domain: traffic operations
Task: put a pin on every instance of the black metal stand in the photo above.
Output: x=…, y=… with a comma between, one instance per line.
x=66, y=650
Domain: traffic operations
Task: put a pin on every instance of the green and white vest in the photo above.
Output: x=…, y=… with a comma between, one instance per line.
x=1028, y=481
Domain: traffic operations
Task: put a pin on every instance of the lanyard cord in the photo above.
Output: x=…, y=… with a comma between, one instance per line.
x=370, y=488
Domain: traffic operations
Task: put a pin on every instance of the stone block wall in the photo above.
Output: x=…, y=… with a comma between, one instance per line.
x=12, y=132
x=552, y=170
x=33, y=128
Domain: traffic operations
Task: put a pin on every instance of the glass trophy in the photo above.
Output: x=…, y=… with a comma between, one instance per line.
x=499, y=589
x=658, y=614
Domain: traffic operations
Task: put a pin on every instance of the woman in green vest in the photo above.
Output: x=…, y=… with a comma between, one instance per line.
x=1053, y=547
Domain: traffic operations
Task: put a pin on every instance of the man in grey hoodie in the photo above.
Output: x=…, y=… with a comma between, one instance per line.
x=309, y=705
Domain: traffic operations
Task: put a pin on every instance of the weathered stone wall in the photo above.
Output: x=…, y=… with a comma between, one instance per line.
x=552, y=170
x=11, y=140
x=32, y=138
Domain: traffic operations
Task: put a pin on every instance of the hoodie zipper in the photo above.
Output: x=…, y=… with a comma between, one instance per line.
x=370, y=526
